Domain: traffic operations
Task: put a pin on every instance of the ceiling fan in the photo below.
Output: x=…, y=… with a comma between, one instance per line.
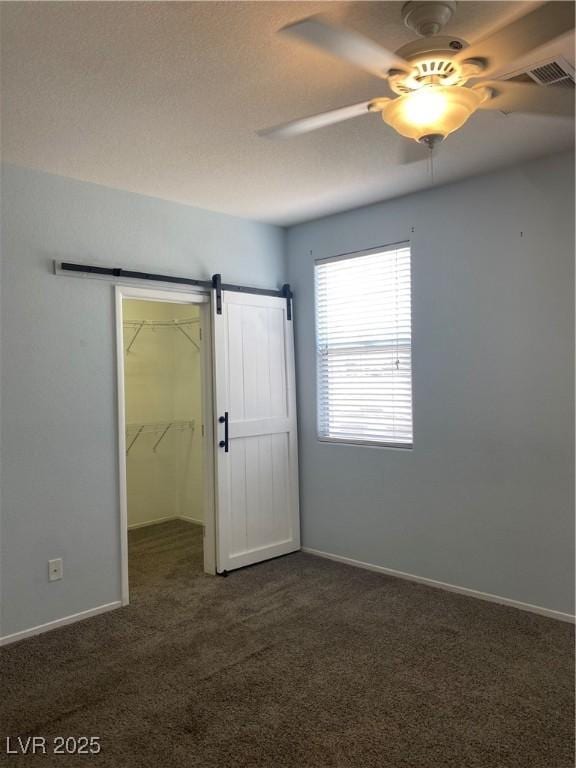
x=438, y=82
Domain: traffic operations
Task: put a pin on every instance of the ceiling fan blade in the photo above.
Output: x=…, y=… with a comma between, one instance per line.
x=523, y=97
x=346, y=44
x=509, y=43
x=312, y=123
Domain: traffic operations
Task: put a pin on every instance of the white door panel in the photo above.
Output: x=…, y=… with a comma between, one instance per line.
x=253, y=427
x=257, y=478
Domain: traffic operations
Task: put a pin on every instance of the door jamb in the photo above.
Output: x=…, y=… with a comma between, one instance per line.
x=193, y=296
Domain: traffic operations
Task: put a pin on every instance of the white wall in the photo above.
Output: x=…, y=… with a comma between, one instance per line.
x=485, y=498
x=59, y=447
x=163, y=384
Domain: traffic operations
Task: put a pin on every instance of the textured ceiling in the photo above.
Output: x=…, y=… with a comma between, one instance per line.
x=164, y=99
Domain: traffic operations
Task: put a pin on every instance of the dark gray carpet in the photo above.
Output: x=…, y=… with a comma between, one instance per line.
x=297, y=662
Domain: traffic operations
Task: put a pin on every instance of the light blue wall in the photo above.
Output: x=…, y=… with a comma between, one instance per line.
x=485, y=499
x=59, y=433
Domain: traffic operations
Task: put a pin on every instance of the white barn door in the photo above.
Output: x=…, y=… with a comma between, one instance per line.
x=257, y=515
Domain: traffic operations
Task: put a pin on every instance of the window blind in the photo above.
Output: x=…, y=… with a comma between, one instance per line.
x=363, y=337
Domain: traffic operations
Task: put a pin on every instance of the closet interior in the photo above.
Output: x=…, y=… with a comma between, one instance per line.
x=163, y=407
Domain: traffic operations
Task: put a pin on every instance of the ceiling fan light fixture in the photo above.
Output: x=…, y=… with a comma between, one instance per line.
x=432, y=111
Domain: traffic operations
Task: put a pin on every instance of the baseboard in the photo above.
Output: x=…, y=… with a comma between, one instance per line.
x=443, y=585
x=41, y=628
x=192, y=520
x=165, y=520
x=146, y=523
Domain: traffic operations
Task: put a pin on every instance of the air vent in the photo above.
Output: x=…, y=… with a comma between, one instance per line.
x=551, y=74
x=556, y=72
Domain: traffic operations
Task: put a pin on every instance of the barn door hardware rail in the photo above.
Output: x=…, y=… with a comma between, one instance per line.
x=215, y=283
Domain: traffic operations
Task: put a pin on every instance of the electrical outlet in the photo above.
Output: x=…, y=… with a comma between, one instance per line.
x=55, y=569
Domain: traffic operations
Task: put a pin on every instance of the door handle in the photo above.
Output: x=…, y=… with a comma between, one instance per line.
x=224, y=420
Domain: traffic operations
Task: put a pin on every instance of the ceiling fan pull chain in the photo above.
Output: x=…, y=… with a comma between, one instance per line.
x=431, y=164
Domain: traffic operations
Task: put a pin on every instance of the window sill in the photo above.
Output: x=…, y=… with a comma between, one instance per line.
x=366, y=443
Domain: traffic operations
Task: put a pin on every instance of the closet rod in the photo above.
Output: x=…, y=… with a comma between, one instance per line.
x=140, y=324
x=161, y=323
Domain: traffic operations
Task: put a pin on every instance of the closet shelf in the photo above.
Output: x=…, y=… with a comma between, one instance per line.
x=161, y=428
x=180, y=325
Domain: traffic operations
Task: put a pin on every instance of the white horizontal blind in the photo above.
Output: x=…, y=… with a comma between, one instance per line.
x=363, y=337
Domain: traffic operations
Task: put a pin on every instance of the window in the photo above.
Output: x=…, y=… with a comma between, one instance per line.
x=363, y=345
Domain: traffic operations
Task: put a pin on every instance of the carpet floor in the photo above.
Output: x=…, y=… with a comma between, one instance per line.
x=298, y=662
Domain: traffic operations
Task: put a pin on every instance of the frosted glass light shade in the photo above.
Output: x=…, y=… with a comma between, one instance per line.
x=434, y=110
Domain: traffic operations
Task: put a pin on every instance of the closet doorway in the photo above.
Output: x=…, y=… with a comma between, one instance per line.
x=165, y=423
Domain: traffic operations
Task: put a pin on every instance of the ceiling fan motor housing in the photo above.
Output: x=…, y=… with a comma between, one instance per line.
x=432, y=63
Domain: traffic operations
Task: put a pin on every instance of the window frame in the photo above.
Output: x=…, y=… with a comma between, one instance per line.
x=379, y=444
